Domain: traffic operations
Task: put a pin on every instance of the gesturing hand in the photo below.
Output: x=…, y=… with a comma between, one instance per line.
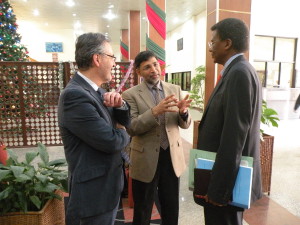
x=165, y=105
x=184, y=104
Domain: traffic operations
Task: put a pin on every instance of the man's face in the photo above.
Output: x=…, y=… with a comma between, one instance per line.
x=150, y=70
x=107, y=62
x=216, y=48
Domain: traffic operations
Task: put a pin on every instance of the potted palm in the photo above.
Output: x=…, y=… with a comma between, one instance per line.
x=32, y=193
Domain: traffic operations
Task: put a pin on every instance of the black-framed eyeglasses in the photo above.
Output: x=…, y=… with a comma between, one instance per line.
x=112, y=56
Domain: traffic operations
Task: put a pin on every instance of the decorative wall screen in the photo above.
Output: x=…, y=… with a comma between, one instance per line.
x=29, y=93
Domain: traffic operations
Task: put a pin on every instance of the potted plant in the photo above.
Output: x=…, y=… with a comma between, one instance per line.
x=269, y=117
x=28, y=189
x=197, y=90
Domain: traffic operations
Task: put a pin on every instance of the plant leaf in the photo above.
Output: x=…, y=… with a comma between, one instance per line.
x=22, y=178
x=36, y=201
x=3, y=174
x=5, y=193
x=13, y=155
x=17, y=170
x=43, y=153
x=45, y=188
x=57, y=162
x=42, y=178
x=30, y=156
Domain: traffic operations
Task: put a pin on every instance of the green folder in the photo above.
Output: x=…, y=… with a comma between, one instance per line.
x=196, y=153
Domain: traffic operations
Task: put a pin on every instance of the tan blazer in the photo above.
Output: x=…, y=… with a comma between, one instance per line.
x=145, y=132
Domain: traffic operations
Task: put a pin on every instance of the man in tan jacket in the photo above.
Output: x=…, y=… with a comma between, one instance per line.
x=157, y=159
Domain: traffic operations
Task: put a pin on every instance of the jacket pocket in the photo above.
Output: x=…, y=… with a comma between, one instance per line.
x=137, y=147
x=90, y=174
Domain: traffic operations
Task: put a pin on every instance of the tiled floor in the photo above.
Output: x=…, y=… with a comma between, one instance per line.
x=283, y=205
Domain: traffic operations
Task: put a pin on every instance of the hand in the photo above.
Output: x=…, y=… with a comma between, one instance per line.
x=119, y=126
x=212, y=202
x=112, y=99
x=165, y=105
x=184, y=104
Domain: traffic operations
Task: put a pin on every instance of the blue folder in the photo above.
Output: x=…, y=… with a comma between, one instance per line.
x=242, y=189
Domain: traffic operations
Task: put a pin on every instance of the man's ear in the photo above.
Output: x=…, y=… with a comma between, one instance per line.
x=138, y=72
x=96, y=59
x=228, y=44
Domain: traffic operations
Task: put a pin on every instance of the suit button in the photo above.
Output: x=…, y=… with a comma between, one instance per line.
x=157, y=150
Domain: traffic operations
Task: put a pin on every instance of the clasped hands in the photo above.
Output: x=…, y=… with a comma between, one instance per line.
x=170, y=101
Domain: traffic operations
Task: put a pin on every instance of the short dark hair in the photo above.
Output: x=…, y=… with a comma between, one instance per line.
x=87, y=45
x=142, y=57
x=235, y=30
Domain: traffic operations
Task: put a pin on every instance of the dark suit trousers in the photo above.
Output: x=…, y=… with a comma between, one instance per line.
x=166, y=183
x=215, y=215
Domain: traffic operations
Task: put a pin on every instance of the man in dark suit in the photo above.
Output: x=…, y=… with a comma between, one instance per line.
x=231, y=121
x=158, y=109
x=92, y=125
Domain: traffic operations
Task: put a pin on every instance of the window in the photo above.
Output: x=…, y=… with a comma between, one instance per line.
x=183, y=79
x=274, y=61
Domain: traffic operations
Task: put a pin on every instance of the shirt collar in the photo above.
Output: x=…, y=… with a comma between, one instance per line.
x=150, y=86
x=94, y=85
x=229, y=61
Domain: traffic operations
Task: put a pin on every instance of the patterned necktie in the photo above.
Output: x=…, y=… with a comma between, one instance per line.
x=124, y=154
x=164, y=142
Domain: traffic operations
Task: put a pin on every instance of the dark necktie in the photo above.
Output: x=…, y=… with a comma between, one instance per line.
x=164, y=142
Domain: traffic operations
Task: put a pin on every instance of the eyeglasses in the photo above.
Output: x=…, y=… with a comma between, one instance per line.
x=211, y=44
x=112, y=56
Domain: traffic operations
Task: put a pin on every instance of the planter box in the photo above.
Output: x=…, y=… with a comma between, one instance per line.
x=266, y=157
x=53, y=213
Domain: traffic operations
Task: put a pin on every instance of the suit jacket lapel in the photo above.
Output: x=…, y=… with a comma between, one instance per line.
x=237, y=59
x=105, y=111
x=145, y=94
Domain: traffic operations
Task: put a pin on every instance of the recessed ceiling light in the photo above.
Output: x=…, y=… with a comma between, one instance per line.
x=175, y=20
x=77, y=25
x=70, y=3
x=111, y=6
x=46, y=24
x=109, y=15
x=36, y=12
x=107, y=25
x=74, y=14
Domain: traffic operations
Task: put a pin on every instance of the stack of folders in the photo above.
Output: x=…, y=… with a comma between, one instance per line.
x=204, y=162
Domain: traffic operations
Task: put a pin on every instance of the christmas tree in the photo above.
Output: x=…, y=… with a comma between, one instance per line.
x=10, y=47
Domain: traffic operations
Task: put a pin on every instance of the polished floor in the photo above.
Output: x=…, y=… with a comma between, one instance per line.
x=282, y=207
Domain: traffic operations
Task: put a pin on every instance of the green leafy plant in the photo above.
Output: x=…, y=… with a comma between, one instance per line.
x=269, y=117
x=197, y=89
x=26, y=186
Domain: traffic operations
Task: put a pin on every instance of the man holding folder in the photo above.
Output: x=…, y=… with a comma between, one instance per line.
x=231, y=122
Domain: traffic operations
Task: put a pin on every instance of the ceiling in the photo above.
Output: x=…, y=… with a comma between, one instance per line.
x=55, y=14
